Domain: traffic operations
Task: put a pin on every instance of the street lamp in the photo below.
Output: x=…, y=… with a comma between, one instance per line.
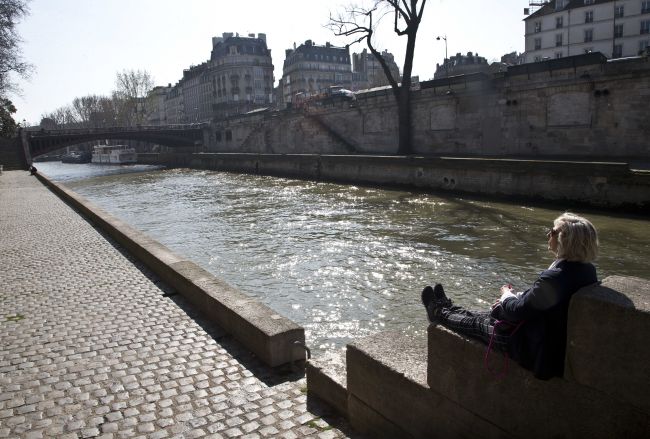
x=446, y=63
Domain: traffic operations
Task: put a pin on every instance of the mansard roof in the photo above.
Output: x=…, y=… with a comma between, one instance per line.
x=549, y=8
x=245, y=45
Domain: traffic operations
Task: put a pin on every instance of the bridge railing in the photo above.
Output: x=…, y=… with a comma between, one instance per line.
x=179, y=127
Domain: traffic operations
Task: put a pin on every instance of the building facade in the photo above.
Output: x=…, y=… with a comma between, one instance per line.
x=367, y=71
x=461, y=65
x=312, y=69
x=560, y=28
x=197, y=94
x=240, y=74
x=174, y=106
x=155, y=105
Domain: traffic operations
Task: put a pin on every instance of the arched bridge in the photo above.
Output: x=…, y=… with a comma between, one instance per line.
x=44, y=141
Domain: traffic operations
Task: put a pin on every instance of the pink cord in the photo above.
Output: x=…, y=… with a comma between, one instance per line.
x=504, y=371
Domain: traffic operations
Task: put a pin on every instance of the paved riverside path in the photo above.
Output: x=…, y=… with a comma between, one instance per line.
x=94, y=345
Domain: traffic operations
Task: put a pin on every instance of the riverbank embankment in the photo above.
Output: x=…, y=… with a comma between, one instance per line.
x=94, y=342
x=608, y=185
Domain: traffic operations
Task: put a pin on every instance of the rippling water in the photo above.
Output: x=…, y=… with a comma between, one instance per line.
x=343, y=261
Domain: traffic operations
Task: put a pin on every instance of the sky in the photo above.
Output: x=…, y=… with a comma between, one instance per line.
x=78, y=46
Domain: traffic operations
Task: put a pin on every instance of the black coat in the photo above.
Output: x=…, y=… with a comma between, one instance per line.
x=540, y=343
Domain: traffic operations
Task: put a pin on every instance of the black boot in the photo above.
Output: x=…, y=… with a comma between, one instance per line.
x=434, y=300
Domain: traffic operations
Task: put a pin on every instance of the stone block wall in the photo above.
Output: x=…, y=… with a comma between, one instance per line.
x=610, y=185
x=438, y=385
x=606, y=383
x=581, y=108
x=11, y=154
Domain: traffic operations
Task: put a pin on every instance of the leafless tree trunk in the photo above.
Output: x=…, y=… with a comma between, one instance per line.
x=357, y=22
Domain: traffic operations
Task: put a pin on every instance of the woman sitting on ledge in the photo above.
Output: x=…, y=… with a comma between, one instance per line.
x=530, y=326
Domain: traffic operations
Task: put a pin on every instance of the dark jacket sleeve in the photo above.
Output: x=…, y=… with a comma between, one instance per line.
x=543, y=295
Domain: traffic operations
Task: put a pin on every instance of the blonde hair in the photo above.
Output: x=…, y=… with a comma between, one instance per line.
x=577, y=239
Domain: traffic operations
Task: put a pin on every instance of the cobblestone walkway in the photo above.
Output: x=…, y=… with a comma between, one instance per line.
x=93, y=345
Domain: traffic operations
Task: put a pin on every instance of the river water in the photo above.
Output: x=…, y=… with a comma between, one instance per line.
x=343, y=261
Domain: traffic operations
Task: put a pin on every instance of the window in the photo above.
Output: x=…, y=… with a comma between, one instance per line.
x=558, y=40
x=538, y=26
x=619, y=11
x=589, y=2
x=560, y=4
x=645, y=7
x=645, y=27
x=558, y=55
x=559, y=22
x=589, y=17
x=618, y=51
x=538, y=58
x=618, y=31
x=643, y=45
x=589, y=35
x=538, y=43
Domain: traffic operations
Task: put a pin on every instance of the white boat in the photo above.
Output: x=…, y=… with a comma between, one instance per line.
x=114, y=154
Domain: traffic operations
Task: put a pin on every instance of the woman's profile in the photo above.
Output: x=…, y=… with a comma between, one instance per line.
x=530, y=325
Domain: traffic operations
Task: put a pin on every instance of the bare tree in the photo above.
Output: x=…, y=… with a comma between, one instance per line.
x=133, y=86
x=11, y=59
x=62, y=117
x=357, y=22
x=85, y=107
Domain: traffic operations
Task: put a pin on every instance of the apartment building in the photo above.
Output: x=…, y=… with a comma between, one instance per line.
x=240, y=74
x=311, y=69
x=367, y=71
x=560, y=28
x=461, y=65
x=174, y=107
x=197, y=94
x=155, y=105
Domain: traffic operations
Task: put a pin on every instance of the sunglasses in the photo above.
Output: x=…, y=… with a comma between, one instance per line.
x=552, y=232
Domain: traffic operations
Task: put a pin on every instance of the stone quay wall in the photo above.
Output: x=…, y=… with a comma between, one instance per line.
x=443, y=379
x=577, y=107
x=600, y=184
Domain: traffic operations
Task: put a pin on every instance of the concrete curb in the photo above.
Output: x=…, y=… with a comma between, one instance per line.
x=273, y=338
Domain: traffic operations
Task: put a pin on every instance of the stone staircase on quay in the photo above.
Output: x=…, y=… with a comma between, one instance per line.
x=11, y=157
x=394, y=385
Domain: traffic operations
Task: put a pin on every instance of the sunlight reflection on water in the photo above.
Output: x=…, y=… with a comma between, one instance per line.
x=343, y=261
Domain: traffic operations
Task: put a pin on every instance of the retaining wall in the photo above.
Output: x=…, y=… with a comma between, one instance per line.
x=582, y=106
x=601, y=184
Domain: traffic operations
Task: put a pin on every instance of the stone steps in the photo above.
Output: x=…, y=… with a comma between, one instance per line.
x=11, y=157
x=382, y=389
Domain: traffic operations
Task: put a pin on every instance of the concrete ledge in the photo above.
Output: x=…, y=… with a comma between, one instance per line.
x=387, y=376
x=260, y=329
x=525, y=406
x=607, y=339
x=327, y=380
x=367, y=421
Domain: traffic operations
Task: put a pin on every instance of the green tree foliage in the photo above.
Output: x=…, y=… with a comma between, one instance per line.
x=7, y=122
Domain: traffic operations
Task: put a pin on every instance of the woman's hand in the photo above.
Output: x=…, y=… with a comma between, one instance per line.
x=506, y=292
